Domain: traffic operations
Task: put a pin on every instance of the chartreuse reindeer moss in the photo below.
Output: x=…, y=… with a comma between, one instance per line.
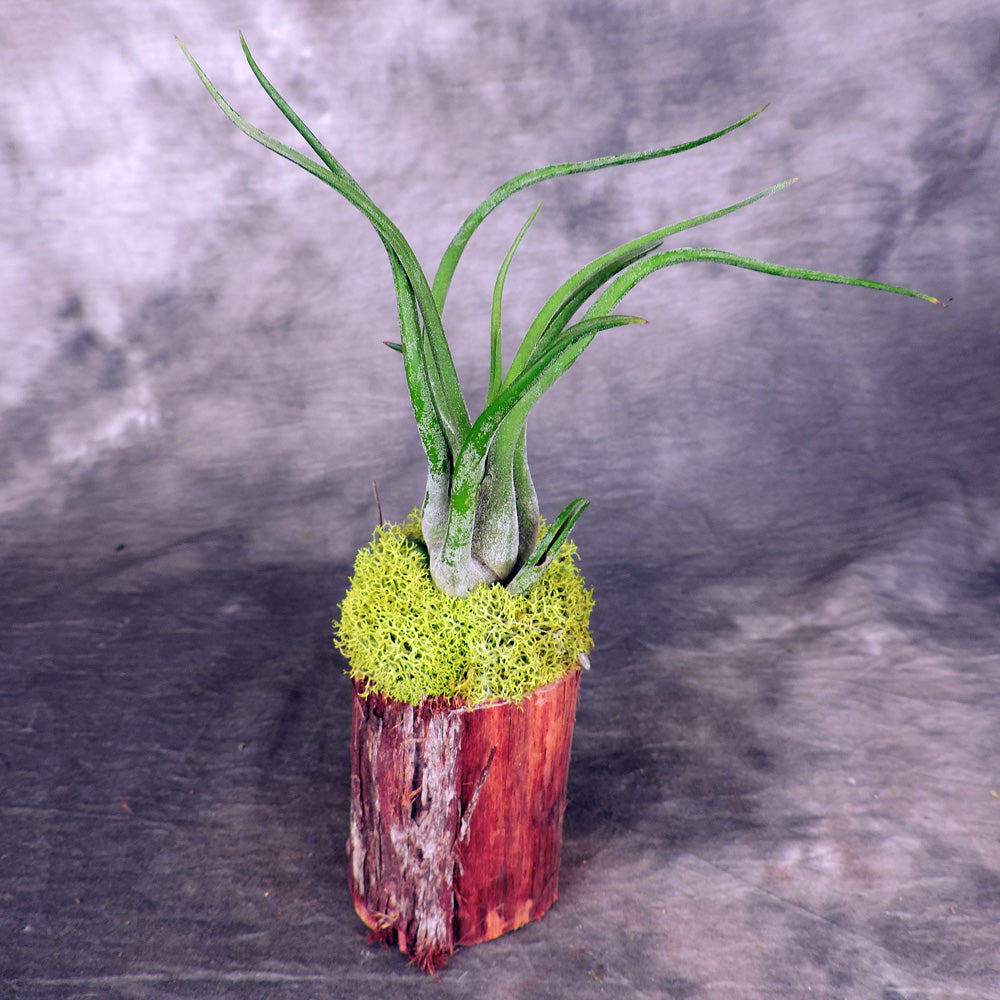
x=480, y=512
x=412, y=641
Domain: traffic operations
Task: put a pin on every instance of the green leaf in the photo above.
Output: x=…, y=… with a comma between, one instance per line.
x=300, y=126
x=436, y=352
x=619, y=288
x=517, y=397
x=442, y=380
x=429, y=426
x=495, y=530
x=573, y=292
x=525, y=497
x=449, y=262
x=496, y=333
x=548, y=548
x=565, y=301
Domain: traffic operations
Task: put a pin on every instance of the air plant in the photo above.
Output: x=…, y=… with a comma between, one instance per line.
x=480, y=519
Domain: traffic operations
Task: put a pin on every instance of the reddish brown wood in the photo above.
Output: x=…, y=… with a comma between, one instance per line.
x=456, y=816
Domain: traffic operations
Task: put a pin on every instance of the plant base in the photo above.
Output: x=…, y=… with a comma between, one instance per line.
x=456, y=816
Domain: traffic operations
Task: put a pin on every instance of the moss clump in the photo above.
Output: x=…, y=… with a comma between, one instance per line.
x=411, y=641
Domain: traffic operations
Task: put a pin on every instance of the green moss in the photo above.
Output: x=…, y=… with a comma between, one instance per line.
x=412, y=641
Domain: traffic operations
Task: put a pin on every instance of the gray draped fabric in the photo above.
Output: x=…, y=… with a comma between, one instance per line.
x=787, y=760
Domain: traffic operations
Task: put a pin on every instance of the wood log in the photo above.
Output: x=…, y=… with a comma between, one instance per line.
x=456, y=816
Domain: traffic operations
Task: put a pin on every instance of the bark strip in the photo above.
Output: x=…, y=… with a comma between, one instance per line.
x=456, y=816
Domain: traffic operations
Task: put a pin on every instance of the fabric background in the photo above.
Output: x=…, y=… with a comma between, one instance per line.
x=785, y=773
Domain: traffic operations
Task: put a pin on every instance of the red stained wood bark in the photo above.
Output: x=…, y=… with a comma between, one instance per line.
x=456, y=816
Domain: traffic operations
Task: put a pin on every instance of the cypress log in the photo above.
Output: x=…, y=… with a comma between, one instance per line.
x=456, y=816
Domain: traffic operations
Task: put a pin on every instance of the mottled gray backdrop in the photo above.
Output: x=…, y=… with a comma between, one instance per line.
x=192, y=327
x=781, y=474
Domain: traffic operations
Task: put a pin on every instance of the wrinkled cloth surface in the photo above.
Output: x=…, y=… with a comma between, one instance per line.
x=785, y=778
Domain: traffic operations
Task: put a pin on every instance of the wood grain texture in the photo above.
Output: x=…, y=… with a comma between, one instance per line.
x=456, y=816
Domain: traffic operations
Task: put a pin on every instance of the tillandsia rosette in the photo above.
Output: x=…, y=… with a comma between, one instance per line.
x=480, y=519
